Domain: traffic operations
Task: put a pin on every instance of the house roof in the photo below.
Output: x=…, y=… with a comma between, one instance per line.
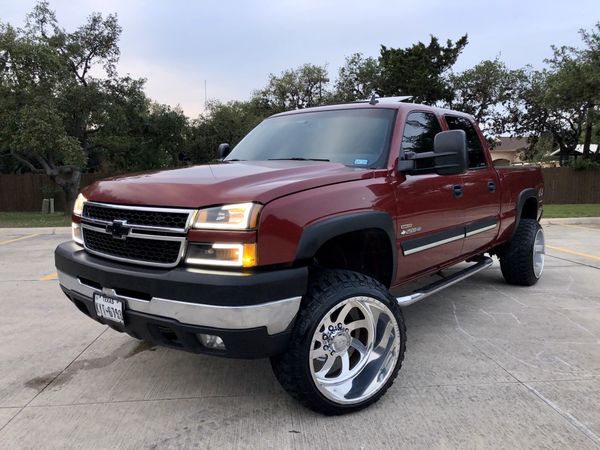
x=579, y=149
x=510, y=144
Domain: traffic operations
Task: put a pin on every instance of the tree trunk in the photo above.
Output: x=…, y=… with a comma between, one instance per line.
x=589, y=124
x=561, y=156
x=68, y=178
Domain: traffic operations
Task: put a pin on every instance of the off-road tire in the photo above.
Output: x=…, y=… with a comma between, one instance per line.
x=516, y=261
x=326, y=289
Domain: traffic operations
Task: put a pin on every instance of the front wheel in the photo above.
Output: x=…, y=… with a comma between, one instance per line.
x=347, y=345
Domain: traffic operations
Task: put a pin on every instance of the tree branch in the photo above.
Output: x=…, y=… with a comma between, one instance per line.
x=25, y=162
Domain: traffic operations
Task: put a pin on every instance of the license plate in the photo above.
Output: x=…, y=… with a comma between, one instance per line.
x=109, y=308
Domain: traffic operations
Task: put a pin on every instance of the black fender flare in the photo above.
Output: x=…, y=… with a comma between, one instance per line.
x=523, y=196
x=315, y=235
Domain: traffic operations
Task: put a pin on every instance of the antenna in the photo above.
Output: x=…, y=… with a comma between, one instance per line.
x=373, y=100
x=205, y=97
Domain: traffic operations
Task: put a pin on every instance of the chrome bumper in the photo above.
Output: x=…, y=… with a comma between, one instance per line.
x=276, y=316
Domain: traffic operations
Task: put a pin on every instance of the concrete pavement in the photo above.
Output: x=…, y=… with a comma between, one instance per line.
x=487, y=365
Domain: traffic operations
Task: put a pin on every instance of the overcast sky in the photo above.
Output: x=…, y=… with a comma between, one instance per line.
x=234, y=45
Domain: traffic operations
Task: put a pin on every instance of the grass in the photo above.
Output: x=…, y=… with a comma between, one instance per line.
x=571, y=210
x=33, y=220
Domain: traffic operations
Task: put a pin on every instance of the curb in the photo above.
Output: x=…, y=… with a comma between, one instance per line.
x=572, y=221
x=35, y=230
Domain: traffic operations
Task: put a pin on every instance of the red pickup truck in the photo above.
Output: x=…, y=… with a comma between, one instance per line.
x=289, y=247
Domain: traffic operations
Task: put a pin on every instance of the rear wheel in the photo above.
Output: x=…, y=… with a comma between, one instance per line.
x=347, y=345
x=523, y=260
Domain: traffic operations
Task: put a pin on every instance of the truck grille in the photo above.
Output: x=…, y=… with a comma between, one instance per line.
x=134, y=249
x=148, y=236
x=153, y=218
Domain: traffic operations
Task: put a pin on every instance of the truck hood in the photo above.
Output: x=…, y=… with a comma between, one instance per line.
x=214, y=184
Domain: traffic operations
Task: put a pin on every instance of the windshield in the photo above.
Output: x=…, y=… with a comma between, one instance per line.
x=354, y=137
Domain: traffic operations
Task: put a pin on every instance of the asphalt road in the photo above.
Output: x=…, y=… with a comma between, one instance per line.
x=487, y=365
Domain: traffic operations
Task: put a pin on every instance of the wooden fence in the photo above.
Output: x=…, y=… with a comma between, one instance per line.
x=563, y=185
x=25, y=192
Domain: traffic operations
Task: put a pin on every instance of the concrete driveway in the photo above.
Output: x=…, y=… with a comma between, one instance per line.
x=487, y=365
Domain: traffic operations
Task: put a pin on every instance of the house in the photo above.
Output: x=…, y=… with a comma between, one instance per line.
x=506, y=150
x=578, y=151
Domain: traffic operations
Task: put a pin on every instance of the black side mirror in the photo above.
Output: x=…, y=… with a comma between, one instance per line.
x=223, y=151
x=449, y=156
x=450, y=152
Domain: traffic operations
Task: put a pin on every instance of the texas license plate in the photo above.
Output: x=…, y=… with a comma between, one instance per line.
x=109, y=308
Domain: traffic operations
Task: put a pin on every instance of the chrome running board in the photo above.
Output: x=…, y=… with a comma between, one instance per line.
x=482, y=263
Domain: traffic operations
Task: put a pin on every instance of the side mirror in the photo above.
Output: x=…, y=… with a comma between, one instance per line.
x=223, y=151
x=450, y=152
x=449, y=156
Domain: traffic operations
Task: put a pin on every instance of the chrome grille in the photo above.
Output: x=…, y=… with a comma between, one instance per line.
x=161, y=252
x=137, y=216
x=147, y=236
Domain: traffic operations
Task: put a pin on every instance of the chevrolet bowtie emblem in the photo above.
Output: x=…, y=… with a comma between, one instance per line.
x=118, y=229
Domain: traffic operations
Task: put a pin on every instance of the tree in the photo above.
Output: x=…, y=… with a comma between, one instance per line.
x=357, y=79
x=542, y=105
x=51, y=107
x=484, y=91
x=298, y=88
x=223, y=122
x=560, y=100
x=419, y=70
x=577, y=72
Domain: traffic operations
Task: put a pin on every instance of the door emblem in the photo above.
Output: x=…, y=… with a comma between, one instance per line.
x=408, y=228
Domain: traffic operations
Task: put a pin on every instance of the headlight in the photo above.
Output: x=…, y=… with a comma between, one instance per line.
x=232, y=255
x=241, y=216
x=78, y=207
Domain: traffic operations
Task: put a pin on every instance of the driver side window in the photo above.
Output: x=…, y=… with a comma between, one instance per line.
x=419, y=131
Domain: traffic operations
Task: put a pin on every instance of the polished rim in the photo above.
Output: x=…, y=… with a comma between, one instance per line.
x=354, y=350
x=539, y=251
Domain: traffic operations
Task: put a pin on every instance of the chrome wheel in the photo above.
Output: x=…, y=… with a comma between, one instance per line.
x=539, y=251
x=354, y=350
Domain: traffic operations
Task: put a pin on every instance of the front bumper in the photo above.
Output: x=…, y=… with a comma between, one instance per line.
x=252, y=313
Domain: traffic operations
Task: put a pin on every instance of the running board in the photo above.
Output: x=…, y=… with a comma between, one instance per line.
x=482, y=263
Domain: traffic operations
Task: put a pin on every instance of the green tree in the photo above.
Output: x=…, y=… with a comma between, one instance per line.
x=357, y=79
x=484, y=91
x=298, y=88
x=223, y=122
x=541, y=105
x=419, y=70
x=52, y=110
x=577, y=73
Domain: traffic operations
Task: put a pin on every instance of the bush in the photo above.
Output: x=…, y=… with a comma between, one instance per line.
x=585, y=164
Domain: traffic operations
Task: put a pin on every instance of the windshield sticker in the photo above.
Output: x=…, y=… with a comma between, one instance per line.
x=361, y=162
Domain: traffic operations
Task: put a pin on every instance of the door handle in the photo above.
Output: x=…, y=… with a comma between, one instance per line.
x=491, y=186
x=458, y=190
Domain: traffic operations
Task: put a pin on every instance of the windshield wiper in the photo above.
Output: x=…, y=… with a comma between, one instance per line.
x=296, y=158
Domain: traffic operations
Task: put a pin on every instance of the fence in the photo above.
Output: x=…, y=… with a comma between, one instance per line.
x=25, y=192
x=562, y=185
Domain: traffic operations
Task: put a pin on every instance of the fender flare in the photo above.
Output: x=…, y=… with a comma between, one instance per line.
x=315, y=235
x=523, y=196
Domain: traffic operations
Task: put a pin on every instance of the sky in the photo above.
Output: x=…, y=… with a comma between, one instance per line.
x=177, y=45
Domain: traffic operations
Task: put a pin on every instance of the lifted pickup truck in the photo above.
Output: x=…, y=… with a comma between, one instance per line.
x=288, y=248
